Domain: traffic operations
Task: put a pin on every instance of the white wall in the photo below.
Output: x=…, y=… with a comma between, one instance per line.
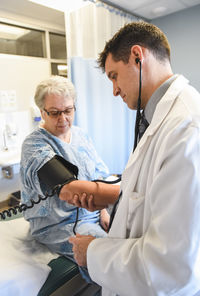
x=182, y=30
x=22, y=74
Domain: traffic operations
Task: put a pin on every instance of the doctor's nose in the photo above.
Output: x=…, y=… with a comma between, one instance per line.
x=116, y=90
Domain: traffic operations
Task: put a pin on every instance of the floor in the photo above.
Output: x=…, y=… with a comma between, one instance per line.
x=4, y=205
x=8, y=186
x=10, y=202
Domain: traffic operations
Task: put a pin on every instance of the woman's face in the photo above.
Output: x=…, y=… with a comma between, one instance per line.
x=58, y=124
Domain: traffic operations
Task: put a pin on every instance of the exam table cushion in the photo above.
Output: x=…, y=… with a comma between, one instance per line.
x=23, y=261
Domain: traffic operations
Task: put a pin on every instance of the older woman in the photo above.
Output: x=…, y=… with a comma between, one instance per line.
x=52, y=220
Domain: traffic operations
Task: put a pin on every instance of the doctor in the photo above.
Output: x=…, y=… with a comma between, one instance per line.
x=153, y=246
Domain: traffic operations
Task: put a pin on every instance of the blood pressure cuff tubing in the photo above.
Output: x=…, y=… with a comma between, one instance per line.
x=57, y=171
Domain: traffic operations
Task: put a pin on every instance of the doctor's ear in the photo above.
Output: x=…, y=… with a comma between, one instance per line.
x=137, y=53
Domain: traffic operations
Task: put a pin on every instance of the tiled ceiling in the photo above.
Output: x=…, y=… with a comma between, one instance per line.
x=151, y=9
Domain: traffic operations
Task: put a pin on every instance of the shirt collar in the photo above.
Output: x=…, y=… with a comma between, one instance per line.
x=156, y=97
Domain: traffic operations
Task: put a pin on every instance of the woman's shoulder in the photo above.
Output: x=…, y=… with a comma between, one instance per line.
x=37, y=137
x=37, y=133
x=37, y=144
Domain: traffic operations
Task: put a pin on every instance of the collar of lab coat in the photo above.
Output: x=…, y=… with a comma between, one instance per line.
x=161, y=111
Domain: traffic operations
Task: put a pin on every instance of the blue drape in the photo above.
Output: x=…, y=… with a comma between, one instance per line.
x=106, y=118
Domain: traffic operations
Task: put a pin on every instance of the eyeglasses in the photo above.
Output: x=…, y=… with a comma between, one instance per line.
x=56, y=113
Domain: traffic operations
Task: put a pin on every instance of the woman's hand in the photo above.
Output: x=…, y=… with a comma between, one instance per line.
x=104, y=219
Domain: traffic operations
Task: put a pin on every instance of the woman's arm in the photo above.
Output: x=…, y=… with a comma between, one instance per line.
x=90, y=195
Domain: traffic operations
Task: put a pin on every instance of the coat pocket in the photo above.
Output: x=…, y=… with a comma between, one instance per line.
x=135, y=214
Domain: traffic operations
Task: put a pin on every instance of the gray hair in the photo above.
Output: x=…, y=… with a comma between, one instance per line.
x=54, y=85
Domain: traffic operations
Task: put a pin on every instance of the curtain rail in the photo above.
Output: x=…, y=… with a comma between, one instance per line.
x=119, y=8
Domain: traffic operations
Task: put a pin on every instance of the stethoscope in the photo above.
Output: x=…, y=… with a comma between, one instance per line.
x=138, y=114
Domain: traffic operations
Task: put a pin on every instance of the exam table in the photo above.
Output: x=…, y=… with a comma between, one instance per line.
x=29, y=268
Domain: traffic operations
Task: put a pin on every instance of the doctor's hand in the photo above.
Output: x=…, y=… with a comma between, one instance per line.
x=73, y=190
x=87, y=202
x=81, y=193
x=68, y=191
x=80, y=245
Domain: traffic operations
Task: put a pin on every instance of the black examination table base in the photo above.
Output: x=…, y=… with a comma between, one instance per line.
x=65, y=280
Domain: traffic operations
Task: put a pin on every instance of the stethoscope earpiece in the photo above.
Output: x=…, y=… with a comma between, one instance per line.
x=137, y=60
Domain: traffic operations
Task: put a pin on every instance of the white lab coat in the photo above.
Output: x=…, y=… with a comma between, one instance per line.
x=153, y=247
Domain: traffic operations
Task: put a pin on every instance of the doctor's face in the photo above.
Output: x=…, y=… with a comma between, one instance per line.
x=58, y=124
x=125, y=80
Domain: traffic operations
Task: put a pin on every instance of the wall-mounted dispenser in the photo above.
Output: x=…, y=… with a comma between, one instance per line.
x=35, y=112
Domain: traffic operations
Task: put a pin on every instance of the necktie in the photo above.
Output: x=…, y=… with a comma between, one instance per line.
x=143, y=125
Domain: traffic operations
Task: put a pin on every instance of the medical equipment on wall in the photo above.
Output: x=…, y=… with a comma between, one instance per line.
x=56, y=173
x=35, y=112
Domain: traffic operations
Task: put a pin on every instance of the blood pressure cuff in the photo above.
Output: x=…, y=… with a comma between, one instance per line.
x=57, y=171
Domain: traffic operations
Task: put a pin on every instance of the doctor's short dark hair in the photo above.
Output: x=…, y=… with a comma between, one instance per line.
x=135, y=33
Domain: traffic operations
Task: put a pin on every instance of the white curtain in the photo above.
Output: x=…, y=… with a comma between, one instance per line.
x=107, y=119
